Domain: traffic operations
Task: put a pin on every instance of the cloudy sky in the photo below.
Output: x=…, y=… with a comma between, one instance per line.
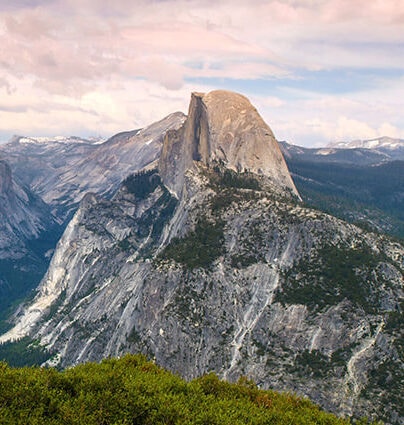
x=318, y=71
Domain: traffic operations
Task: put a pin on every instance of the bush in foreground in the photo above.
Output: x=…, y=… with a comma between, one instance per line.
x=132, y=390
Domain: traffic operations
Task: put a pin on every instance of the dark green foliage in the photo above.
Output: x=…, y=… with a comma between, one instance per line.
x=386, y=381
x=134, y=336
x=367, y=195
x=46, y=241
x=244, y=260
x=17, y=279
x=134, y=391
x=142, y=183
x=20, y=276
x=231, y=187
x=312, y=363
x=23, y=353
x=149, y=225
x=334, y=274
x=200, y=247
x=155, y=218
x=223, y=177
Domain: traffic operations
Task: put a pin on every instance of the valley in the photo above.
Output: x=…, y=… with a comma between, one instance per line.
x=201, y=252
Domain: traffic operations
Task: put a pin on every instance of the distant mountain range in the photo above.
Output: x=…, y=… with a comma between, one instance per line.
x=190, y=242
x=62, y=170
x=361, y=185
x=383, y=144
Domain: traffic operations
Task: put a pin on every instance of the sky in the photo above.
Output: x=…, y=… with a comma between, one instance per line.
x=318, y=71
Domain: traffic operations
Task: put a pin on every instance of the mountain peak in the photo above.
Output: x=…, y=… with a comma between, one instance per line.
x=224, y=127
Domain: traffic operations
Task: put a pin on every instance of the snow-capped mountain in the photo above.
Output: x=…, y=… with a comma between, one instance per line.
x=394, y=148
x=357, y=184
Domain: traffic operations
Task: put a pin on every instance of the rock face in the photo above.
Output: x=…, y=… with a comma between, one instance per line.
x=223, y=127
x=5, y=178
x=23, y=216
x=26, y=231
x=210, y=262
x=62, y=170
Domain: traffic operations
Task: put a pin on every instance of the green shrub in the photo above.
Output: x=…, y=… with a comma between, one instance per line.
x=133, y=391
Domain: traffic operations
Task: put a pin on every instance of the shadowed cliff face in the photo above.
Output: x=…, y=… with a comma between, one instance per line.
x=5, y=177
x=223, y=127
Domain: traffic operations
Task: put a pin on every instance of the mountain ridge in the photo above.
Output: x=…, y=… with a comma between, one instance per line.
x=364, y=186
x=27, y=236
x=61, y=172
x=376, y=143
x=206, y=267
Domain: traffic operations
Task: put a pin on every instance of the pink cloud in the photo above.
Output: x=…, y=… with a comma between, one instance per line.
x=186, y=39
x=74, y=40
x=29, y=24
x=69, y=49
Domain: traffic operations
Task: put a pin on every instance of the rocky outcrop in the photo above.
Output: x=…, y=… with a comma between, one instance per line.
x=23, y=216
x=203, y=268
x=223, y=127
x=5, y=178
x=62, y=170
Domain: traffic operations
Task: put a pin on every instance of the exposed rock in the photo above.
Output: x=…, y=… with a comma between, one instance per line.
x=23, y=216
x=223, y=127
x=224, y=272
x=63, y=170
x=5, y=178
x=27, y=231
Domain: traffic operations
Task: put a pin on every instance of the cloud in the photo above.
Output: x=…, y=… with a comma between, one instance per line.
x=112, y=62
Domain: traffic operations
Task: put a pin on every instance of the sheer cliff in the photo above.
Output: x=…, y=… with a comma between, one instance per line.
x=27, y=231
x=223, y=127
x=211, y=262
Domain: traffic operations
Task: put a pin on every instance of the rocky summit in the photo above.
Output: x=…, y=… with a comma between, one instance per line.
x=223, y=127
x=209, y=261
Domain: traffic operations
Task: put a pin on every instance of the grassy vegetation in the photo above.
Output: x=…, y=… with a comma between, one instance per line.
x=134, y=391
